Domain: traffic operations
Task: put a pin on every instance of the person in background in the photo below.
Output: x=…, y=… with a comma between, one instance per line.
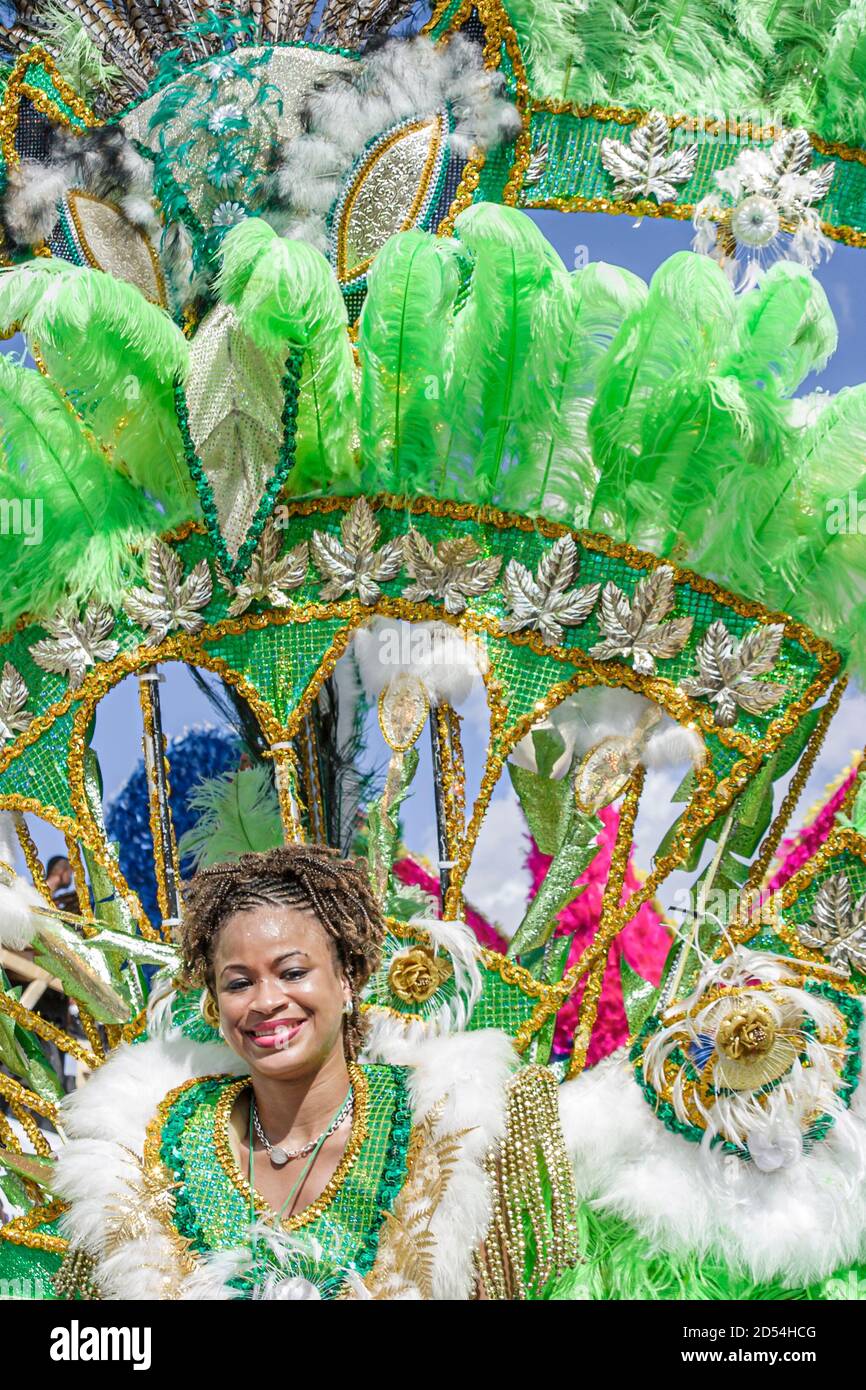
x=59, y=880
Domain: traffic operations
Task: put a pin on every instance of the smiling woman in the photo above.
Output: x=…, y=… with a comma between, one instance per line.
x=432, y=1169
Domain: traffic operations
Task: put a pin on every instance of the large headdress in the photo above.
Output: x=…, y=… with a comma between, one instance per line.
x=277, y=418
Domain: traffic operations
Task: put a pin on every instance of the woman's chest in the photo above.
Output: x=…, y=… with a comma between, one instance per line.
x=216, y=1209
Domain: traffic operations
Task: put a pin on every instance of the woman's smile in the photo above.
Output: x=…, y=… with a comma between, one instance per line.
x=275, y=1032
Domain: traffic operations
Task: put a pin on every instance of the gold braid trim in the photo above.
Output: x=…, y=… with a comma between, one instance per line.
x=22, y=1230
x=760, y=868
x=533, y=1195
x=610, y=922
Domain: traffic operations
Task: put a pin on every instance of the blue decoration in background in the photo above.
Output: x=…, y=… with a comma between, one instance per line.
x=196, y=754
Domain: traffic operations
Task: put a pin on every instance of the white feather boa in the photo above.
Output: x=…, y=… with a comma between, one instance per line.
x=461, y=1078
x=798, y=1224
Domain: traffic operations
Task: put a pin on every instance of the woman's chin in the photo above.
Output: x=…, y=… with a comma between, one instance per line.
x=279, y=1061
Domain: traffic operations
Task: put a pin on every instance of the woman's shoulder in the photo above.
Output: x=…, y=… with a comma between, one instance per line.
x=122, y=1097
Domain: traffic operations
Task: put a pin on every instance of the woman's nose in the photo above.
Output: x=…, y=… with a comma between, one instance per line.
x=268, y=995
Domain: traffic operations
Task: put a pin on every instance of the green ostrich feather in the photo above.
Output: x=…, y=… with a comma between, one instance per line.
x=799, y=62
x=620, y=1264
x=91, y=515
x=558, y=473
x=238, y=814
x=406, y=346
x=286, y=298
x=495, y=394
x=116, y=356
x=656, y=414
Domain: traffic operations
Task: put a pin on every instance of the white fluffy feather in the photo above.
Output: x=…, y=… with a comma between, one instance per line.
x=398, y=81
x=797, y=1224
x=599, y=712
x=19, y=900
x=442, y=658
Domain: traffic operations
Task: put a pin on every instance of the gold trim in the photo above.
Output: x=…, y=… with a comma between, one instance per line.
x=682, y=212
x=22, y=1229
x=708, y=800
x=498, y=33
x=508, y=970
x=224, y=1108
x=609, y=920
x=760, y=867
x=633, y=115
x=16, y=87
x=49, y=1033
x=840, y=839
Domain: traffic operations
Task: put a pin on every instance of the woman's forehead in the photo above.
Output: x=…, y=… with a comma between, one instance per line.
x=269, y=929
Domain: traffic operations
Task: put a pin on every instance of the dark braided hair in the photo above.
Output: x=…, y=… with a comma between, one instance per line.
x=337, y=891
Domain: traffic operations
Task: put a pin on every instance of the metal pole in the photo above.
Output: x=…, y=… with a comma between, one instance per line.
x=168, y=887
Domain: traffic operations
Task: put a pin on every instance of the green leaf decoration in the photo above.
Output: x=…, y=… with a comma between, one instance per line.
x=383, y=829
x=545, y=803
x=30, y=1166
x=577, y=847
x=638, y=997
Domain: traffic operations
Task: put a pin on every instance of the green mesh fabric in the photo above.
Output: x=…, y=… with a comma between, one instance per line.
x=574, y=169
x=27, y=1274
x=39, y=772
x=846, y=862
x=279, y=662
x=526, y=682
x=214, y=1214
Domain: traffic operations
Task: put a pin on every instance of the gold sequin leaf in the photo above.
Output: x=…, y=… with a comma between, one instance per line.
x=404, y=1264
x=171, y=601
x=645, y=165
x=543, y=600
x=151, y=1198
x=634, y=627
x=353, y=563
x=838, y=926
x=75, y=644
x=14, y=718
x=454, y=571
x=728, y=668
x=270, y=576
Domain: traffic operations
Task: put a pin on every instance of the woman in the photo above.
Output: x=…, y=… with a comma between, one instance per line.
x=290, y=1169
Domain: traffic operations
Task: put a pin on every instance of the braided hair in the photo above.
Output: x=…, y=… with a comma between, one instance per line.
x=337, y=891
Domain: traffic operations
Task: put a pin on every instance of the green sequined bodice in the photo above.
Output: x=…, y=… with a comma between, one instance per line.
x=337, y=1233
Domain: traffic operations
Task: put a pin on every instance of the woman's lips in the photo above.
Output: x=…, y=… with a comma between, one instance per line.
x=276, y=1035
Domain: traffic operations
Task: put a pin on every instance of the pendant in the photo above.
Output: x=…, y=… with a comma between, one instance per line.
x=278, y=1156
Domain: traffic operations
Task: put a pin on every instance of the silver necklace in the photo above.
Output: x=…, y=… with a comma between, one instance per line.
x=280, y=1156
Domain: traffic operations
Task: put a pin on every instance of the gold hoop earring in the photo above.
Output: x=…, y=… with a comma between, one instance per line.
x=210, y=1010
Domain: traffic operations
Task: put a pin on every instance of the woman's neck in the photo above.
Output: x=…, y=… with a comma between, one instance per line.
x=301, y=1108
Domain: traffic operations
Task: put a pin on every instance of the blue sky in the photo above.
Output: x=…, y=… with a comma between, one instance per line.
x=498, y=881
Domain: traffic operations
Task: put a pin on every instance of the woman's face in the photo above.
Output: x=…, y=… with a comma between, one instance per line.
x=280, y=991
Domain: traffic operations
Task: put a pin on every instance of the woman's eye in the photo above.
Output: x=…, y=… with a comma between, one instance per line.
x=294, y=974
x=236, y=985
